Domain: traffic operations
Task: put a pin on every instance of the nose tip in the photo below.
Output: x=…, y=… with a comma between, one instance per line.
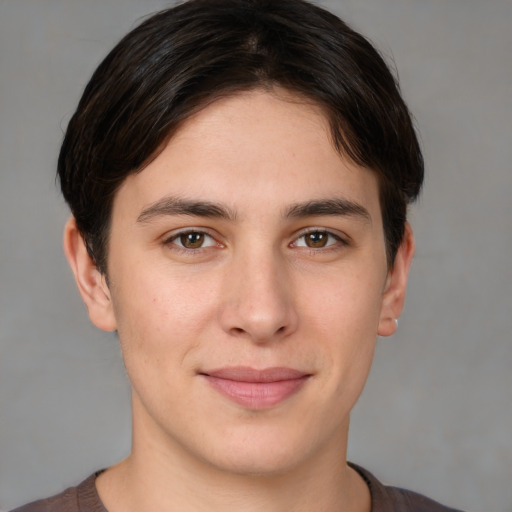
x=259, y=305
x=258, y=327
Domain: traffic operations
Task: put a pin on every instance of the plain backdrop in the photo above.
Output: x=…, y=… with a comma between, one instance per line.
x=436, y=415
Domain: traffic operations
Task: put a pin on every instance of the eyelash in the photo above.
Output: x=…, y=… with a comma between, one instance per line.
x=338, y=240
x=171, y=240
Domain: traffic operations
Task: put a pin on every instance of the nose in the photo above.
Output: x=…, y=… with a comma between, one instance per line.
x=258, y=300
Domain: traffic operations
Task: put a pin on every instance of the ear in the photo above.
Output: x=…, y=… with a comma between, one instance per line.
x=394, y=291
x=92, y=284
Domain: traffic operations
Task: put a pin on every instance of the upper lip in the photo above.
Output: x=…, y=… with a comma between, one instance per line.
x=247, y=374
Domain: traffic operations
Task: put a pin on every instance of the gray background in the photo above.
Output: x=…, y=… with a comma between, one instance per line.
x=436, y=415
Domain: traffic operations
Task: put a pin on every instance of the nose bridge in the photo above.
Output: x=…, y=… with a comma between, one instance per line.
x=259, y=300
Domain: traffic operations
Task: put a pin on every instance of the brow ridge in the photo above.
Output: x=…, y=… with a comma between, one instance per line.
x=182, y=206
x=337, y=206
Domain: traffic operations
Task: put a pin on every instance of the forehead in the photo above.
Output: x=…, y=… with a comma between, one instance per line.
x=254, y=149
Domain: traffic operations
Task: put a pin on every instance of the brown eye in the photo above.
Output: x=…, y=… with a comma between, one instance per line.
x=192, y=240
x=316, y=240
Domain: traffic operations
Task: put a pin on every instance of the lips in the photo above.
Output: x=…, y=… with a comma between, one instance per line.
x=256, y=389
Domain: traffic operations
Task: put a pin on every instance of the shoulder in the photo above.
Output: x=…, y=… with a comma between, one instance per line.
x=82, y=498
x=394, y=499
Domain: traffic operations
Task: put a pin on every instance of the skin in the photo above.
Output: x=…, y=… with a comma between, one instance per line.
x=267, y=282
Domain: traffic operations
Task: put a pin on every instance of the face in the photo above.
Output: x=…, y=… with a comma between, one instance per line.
x=248, y=283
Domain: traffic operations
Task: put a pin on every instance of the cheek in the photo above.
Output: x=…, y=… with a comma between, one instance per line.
x=349, y=305
x=160, y=317
x=344, y=318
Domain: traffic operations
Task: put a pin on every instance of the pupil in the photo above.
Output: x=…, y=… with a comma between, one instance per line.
x=192, y=240
x=317, y=239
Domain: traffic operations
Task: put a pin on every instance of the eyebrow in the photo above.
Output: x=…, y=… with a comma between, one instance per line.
x=180, y=206
x=340, y=207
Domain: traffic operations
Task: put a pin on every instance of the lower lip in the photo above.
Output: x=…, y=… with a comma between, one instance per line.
x=256, y=395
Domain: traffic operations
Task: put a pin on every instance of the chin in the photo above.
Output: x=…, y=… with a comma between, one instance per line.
x=261, y=454
x=257, y=465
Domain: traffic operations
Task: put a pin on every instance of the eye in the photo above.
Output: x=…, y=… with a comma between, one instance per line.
x=192, y=240
x=317, y=239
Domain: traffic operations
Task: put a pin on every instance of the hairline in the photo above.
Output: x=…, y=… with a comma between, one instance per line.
x=291, y=95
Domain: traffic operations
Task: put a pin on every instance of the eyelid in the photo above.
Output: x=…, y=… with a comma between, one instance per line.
x=169, y=238
x=340, y=237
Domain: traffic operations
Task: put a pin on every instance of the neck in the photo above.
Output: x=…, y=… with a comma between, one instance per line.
x=161, y=475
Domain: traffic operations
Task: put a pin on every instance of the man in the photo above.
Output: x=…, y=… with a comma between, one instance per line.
x=239, y=173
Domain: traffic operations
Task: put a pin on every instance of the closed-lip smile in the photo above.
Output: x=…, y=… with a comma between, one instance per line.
x=256, y=388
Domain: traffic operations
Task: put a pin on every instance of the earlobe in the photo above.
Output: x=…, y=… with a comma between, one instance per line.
x=91, y=282
x=396, y=283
